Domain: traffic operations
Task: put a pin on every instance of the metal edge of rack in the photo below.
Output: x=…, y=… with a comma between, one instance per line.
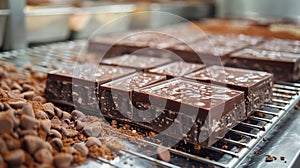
x=268, y=127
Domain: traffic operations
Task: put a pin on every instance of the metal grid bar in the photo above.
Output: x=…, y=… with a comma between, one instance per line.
x=283, y=93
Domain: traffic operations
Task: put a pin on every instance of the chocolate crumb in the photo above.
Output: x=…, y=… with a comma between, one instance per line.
x=269, y=158
x=282, y=158
x=256, y=152
x=163, y=154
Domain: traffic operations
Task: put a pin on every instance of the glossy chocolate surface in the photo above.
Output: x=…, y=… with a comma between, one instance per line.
x=199, y=95
x=134, y=81
x=281, y=45
x=177, y=69
x=136, y=61
x=93, y=73
x=265, y=55
x=232, y=76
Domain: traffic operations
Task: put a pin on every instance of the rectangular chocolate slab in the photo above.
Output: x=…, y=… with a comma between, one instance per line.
x=281, y=45
x=139, y=62
x=116, y=96
x=213, y=49
x=152, y=39
x=256, y=85
x=78, y=86
x=177, y=69
x=284, y=66
x=198, y=113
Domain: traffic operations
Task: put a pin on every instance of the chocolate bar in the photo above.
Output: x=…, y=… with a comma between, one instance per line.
x=284, y=66
x=256, y=85
x=151, y=40
x=138, y=62
x=281, y=45
x=198, y=113
x=214, y=49
x=78, y=87
x=177, y=69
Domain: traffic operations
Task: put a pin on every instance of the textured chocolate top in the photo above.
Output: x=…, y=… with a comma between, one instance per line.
x=219, y=45
x=266, y=55
x=205, y=47
x=192, y=93
x=232, y=76
x=136, y=61
x=177, y=69
x=92, y=72
x=292, y=46
x=234, y=40
x=134, y=81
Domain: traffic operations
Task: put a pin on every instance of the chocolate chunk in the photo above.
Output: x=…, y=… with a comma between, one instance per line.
x=14, y=94
x=69, y=132
x=66, y=115
x=2, y=107
x=58, y=112
x=29, y=95
x=56, y=143
x=28, y=132
x=27, y=87
x=93, y=141
x=2, y=163
x=33, y=143
x=81, y=148
x=269, y=158
x=78, y=125
x=46, y=125
x=16, y=86
x=62, y=160
x=15, y=158
x=55, y=133
x=43, y=156
x=282, y=158
x=28, y=110
x=55, y=121
x=6, y=122
x=92, y=131
x=3, y=148
x=17, y=103
x=28, y=122
x=39, y=99
x=41, y=115
x=77, y=115
x=163, y=154
x=48, y=108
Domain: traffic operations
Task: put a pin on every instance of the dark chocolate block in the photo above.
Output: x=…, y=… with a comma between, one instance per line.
x=195, y=112
x=177, y=69
x=214, y=48
x=283, y=65
x=79, y=87
x=116, y=96
x=151, y=40
x=256, y=85
x=281, y=45
x=136, y=61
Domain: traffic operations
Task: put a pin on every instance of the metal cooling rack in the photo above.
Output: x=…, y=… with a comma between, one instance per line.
x=230, y=151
